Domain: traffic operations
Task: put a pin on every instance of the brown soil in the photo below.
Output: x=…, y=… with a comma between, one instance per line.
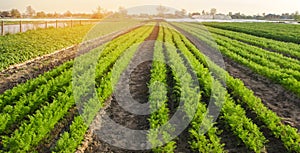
x=64, y=124
x=274, y=96
x=22, y=72
x=182, y=141
x=138, y=72
x=285, y=103
x=273, y=145
x=46, y=144
x=232, y=143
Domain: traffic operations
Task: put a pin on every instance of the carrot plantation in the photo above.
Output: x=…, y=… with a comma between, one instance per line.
x=193, y=87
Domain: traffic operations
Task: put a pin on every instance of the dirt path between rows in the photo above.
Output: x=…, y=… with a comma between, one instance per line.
x=22, y=72
x=284, y=103
x=274, y=96
x=136, y=78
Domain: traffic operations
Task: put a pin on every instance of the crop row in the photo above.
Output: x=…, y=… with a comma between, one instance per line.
x=158, y=99
x=199, y=141
x=9, y=97
x=70, y=140
x=31, y=132
x=268, y=58
x=21, y=47
x=245, y=96
x=287, y=77
x=233, y=114
x=281, y=32
x=19, y=105
x=289, y=49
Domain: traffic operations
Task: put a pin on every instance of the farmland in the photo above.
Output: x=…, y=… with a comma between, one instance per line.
x=217, y=87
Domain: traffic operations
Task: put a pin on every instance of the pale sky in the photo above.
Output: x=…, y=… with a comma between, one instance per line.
x=250, y=7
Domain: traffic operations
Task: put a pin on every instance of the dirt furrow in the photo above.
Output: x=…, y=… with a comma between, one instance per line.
x=62, y=126
x=115, y=117
x=274, y=96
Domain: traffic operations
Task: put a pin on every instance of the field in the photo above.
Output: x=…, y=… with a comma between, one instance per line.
x=174, y=86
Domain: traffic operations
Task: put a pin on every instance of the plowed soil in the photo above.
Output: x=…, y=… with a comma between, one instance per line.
x=283, y=102
x=136, y=76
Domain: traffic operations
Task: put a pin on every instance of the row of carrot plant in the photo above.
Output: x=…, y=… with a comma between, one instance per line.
x=21, y=47
x=158, y=99
x=288, y=135
x=233, y=114
x=44, y=113
x=286, y=48
x=276, y=31
x=70, y=140
x=288, y=77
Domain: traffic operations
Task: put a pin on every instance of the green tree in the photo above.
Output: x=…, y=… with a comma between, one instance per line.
x=68, y=14
x=297, y=16
x=98, y=13
x=5, y=14
x=41, y=14
x=162, y=10
x=30, y=11
x=213, y=11
x=15, y=13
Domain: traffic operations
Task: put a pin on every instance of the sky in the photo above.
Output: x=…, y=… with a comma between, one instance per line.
x=249, y=7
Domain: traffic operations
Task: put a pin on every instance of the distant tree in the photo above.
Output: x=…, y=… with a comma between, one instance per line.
x=5, y=14
x=196, y=13
x=161, y=10
x=15, y=13
x=181, y=13
x=41, y=14
x=56, y=15
x=230, y=13
x=203, y=12
x=236, y=16
x=297, y=16
x=30, y=11
x=177, y=14
x=68, y=14
x=122, y=11
x=213, y=12
x=49, y=15
x=98, y=13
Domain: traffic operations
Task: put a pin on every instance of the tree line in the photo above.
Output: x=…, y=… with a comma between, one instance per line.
x=263, y=16
x=122, y=12
x=32, y=13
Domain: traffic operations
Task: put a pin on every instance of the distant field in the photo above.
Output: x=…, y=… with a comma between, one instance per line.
x=20, y=47
x=277, y=31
